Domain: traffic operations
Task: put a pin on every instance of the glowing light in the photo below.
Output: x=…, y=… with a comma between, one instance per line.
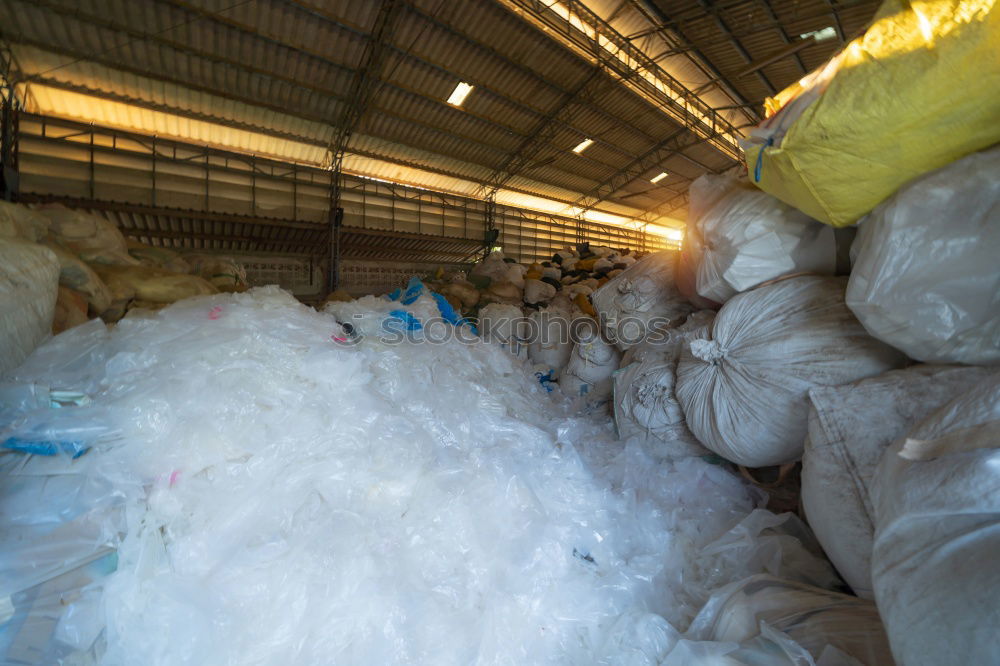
x=924, y=24
x=583, y=145
x=655, y=179
x=459, y=94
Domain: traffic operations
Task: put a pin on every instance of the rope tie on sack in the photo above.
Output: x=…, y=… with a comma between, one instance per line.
x=708, y=351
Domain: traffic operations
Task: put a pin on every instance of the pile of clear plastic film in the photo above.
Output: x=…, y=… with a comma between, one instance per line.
x=240, y=479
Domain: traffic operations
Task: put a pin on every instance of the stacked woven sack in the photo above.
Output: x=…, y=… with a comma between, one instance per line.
x=880, y=373
x=62, y=267
x=534, y=309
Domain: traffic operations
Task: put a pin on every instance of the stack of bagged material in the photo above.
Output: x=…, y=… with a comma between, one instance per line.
x=937, y=515
x=551, y=345
x=640, y=300
x=926, y=276
x=645, y=402
x=157, y=257
x=743, y=237
x=92, y=238
x=744, y=392
x=850, y=427
x=591, y=365
x=224, y=273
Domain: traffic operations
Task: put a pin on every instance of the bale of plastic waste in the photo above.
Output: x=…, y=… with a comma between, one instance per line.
x=493, y=267
x=536, y=292
x=70, y=310
x=465, y=292
x=640, y=300
x=926, y=277
x=645, y=404
x=937, y=516
x=94, y=239
x=550, y=344
x=224, y=273
x=850, y=427
x=503, y=325
x=157, y=257
x=775, y=619
x=502, y=292
x=128, y=283
x=591, y=365
x=20, y=222
x=29, y=285
x=928, y=73
x=745, y=391
x=745, y=237
x=75, y=274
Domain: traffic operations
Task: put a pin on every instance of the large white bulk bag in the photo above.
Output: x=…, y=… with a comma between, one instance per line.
x=745, y=237
x=536, y=291
x=18, y=221
x=502, y=324
x=926, y=276
x=745, y=391
x=549, y=342
x=937, y=510
x=591, y=365
x=640, y=299
x=93, y=238
x=831, y=628
x=645, y=404
x=492, y=267
x=850, y=427
x=29, y=285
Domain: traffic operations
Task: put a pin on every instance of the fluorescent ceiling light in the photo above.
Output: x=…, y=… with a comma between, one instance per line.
x=459, y=94
x=829, y=32
x=655, y=179
x=583, y=145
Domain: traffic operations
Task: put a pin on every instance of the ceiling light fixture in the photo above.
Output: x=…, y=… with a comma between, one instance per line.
x=459, y=94
x=583, y=145
x=655, y=179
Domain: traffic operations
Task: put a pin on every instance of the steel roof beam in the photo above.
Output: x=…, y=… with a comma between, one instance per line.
x=740, y=49
x=766, y=4
x=655, y=15
x=618, y=122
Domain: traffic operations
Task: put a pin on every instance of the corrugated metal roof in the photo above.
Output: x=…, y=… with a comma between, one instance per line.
x=274, y=76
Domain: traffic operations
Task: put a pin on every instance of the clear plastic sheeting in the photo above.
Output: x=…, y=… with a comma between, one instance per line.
x=267, y=484
x=926, y=278
x=937, y=509
x=744, y=392
x=745, y=237
x=850, y=427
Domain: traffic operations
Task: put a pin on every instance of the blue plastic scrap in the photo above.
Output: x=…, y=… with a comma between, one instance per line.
x=403, y=317
x=546, y=380
x=45, y=448
x=413, y=290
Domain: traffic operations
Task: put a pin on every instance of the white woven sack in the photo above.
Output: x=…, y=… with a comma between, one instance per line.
x=629, y=304
x=926, y=276
x=745, y=391
x=29, y=285
x=850, y=427
x=937, y=511
x=745, y=237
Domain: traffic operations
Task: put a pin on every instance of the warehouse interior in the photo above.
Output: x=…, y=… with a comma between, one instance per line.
x=499, y=331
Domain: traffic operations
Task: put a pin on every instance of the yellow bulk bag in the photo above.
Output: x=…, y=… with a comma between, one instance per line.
x=920, y=89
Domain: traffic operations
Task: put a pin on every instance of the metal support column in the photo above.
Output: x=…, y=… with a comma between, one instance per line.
x=10, y=108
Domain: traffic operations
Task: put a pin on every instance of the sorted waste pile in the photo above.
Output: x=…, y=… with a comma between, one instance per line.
x=100, y=273
x=238, y=478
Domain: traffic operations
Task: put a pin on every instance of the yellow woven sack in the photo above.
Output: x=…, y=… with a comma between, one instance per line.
x=920, y=89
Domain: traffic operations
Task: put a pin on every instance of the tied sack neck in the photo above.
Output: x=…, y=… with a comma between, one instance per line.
x=708, y=351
